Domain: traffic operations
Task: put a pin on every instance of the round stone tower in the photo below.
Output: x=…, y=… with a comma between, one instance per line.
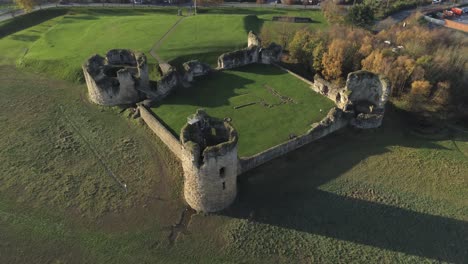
x=210, y=162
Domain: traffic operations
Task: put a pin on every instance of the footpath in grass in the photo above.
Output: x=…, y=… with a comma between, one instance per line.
x=218, y=30
x=262, y=118
x=57, y=41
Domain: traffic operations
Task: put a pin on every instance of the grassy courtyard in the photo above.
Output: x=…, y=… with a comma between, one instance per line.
x=268, y=121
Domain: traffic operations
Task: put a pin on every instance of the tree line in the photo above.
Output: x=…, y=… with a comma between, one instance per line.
x=427, y=67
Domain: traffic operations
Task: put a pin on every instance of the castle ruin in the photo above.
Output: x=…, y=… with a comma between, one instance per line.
x=207, y=147
x=116, y=79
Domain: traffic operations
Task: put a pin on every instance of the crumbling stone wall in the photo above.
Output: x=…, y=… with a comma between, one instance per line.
x=161, y=131
x=365, y=95
x=335, y=120
x=210, y=163
x=117, y=78
x=254, y=53
x=195, y=68
x=172, y=79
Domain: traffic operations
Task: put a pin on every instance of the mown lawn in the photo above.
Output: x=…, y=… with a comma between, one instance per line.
x=382, y=196
x=59, y=46
x=262, y=125
x=218, y=30
x=57, y=41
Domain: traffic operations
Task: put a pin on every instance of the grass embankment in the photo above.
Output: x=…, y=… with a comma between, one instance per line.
x=59, y=46
x=264, y=124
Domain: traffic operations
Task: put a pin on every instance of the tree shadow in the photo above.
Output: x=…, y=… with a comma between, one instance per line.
x=25, y=21
x=285, y=193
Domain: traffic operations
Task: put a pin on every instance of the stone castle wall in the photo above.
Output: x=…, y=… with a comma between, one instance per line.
x=335, y=120
x=161, y=131
x=254, y=53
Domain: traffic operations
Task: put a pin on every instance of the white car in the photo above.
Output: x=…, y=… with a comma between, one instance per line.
x=436, y=1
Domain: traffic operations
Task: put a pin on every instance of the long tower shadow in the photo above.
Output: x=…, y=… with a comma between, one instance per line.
x=285, y=193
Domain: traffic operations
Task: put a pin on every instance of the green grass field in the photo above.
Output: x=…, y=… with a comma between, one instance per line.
x=259, y=126
x=59, y=46
x=381, y=196
x=58, y=41
x=206, y=36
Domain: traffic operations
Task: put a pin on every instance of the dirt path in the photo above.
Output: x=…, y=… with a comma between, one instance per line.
x=158, y=44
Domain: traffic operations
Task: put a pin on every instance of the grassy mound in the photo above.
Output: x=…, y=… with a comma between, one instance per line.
x=262, y=119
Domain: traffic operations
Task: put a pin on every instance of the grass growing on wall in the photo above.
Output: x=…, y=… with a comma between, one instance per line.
x=260, y=127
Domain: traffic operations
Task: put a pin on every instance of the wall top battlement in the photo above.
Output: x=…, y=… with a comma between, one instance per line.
x=206, y=137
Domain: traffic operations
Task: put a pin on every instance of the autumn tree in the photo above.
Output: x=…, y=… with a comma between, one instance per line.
x=333, y=12
x=318, y=52
x=26, y=5
x=333, y=59
x=301, y=47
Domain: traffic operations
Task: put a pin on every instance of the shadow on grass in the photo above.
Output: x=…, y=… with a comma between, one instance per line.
x=24, y=37
x=285, y=193
x=125, y=11
x=248, y=11
x=207, y=57
x=212, y=90
x=80, y=17
x=252, y=22
x=25, y=21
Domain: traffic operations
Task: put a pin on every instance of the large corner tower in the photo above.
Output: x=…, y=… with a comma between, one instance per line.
x=210, y=162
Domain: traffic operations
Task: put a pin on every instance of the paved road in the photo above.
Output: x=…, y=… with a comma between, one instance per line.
x=402, y=15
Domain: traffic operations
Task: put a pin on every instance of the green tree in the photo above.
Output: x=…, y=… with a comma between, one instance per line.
x=360, y=15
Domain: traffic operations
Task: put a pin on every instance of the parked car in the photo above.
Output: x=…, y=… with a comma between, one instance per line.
x=436, y=1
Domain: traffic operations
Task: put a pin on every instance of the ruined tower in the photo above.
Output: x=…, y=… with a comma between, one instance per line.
x=117, y=78
x=210, y=162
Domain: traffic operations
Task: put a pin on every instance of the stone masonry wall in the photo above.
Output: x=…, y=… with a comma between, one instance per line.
x=335, y=120
x=165, y=135
x=210, y=162
x=205, y=188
